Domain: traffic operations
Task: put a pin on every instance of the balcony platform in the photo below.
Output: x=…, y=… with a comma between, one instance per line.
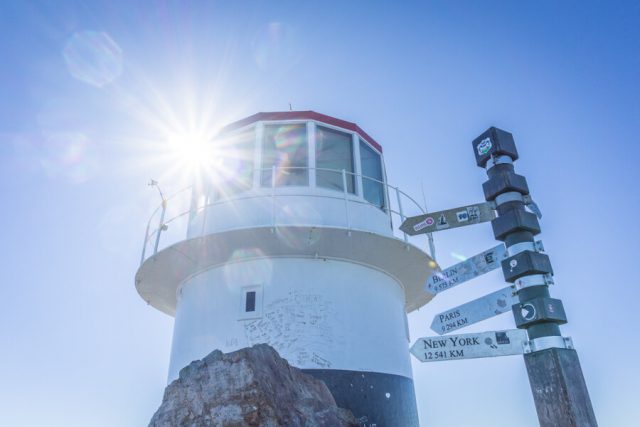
x=159, y=276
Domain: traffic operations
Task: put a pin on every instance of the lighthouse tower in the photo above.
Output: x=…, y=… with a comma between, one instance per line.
x=292, y=241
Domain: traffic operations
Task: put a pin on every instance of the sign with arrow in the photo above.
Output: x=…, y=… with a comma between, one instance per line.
x=470, y=346
x=466, y=270
x=451, y=218
x=490, y=305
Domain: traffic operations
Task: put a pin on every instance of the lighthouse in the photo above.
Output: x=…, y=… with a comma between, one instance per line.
x=292, y=240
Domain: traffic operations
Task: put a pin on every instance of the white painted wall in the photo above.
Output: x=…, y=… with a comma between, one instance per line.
x=317, y=313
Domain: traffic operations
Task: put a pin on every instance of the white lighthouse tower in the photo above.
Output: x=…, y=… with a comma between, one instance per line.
x=294, y=243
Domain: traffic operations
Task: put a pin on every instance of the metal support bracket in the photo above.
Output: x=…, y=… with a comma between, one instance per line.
x=533, y=280
x=498, y=160
x=544, y=343
x=509, y=196
x=514, y=196
x=533, y=207
x=536, y=246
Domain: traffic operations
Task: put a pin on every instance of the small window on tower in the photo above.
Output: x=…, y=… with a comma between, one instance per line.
x=250, y=302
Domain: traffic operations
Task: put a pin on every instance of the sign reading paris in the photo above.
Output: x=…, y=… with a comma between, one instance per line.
x=475, y=311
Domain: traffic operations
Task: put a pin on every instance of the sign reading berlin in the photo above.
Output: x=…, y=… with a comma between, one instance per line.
x=466, y=270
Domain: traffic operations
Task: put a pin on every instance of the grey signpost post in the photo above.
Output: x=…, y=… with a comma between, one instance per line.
x=559, y=390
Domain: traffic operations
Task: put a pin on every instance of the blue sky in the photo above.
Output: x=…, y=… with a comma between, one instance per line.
x=78, y=145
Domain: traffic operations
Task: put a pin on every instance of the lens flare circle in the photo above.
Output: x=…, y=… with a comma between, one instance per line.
x=93, y=57
x=274, y=47
x=68, y=154
x=248, y=265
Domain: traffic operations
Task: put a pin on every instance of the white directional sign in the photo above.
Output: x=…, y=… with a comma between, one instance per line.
x=474, y=311
x=451, y=218
x=467, y=270
x=470, y=346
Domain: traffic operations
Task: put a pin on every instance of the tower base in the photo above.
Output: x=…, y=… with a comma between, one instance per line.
x=374, y=398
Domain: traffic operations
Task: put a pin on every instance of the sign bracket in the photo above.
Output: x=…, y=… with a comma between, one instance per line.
x=545, y=343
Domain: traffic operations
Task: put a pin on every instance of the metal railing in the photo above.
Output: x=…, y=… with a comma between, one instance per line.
x=173, y=208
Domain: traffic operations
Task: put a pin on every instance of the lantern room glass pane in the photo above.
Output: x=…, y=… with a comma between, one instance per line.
x=286, y=148
x=334, y=152
x=234, y=164
x=372, y=187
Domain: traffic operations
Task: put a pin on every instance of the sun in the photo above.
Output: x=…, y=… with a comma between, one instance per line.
x=204, y=159
x=193, y=151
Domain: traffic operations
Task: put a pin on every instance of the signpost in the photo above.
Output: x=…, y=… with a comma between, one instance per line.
x=466, y=270
x=451, y=218
x=559, y=390
x=558, y=386
x=490, y=305
x=470, y=346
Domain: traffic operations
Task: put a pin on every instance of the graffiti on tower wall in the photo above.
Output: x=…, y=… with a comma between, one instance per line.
x=300, y=327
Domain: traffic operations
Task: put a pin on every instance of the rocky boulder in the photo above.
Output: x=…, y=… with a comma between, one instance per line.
x=249, y=387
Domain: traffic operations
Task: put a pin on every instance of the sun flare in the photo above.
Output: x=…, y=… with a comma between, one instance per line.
x=192, y=151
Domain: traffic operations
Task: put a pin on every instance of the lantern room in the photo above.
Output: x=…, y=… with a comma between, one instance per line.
x=323, y=171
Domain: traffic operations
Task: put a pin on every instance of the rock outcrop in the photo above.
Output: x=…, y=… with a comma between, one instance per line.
x=249, y=387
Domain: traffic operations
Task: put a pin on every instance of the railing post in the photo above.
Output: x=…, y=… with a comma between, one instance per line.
x=273, y=196
x=204, y=214
x=346, y=199
x=144, y=244
x=401, y=212
x=160, y=226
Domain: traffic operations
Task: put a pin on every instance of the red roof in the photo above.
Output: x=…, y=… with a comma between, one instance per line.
x=302, y=115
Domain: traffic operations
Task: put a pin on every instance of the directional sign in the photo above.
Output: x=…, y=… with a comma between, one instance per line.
x=466, y=270
x=451, y=218
x=474, y=311
x=470, y=346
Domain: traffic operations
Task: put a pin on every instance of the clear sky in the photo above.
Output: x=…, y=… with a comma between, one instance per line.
x=90, y=90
